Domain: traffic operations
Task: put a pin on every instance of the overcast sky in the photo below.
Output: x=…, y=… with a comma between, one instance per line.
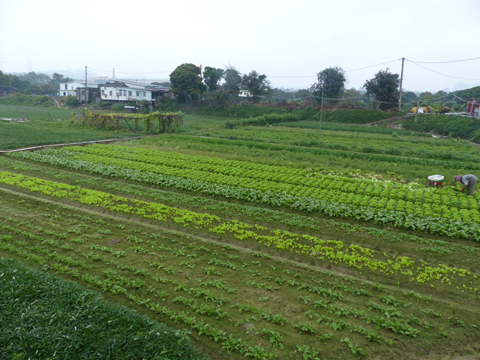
x=289, y=41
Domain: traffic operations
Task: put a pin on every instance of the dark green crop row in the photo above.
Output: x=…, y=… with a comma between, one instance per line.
x=416, y=217
x=308, y=124
x=44, y=316
x=446, y=164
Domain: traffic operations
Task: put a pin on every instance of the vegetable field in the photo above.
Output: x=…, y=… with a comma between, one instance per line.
x=259, y=257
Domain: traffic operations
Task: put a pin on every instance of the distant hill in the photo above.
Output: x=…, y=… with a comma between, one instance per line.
x=472, y=93
x=73, y=74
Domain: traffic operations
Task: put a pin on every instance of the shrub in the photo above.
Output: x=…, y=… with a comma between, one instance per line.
x=118, y=107
x=21, y=99
x=355, y=116
x=308, y=113
x=71, y=101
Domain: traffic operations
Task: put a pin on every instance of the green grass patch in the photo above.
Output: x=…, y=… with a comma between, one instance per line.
x=44, y=316
x=448, y=125
x=309, y=124
x=35, y=112
x=355, y=116
x=238, y=111
x=20, y=99
x=34, y=133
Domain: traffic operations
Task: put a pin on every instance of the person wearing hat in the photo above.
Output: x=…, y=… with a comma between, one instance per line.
x=467, y=181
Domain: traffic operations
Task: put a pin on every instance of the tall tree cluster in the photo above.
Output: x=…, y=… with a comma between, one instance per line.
x=188, y=83
x=330, y=85
x=383, y=88
x=33, y=83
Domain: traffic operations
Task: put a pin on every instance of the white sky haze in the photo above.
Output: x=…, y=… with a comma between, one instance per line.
x=289, y=41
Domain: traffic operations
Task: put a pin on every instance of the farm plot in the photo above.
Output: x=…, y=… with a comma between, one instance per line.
x=414, y=168
x=402, y=205
x=35, y=133
x=248, y=287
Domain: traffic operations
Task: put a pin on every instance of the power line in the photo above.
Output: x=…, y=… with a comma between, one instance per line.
x=443, y=62
x=272, y=77
x=307, y=76
x=455, y=77
x=129, y=72
x=459, y=98
x=366, y=67
x=293, y=76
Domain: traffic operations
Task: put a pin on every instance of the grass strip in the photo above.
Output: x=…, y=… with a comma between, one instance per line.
x=44, y=316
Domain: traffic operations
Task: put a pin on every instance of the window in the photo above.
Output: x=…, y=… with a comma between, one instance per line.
x=144, y=93
x=110, y=93
x=129, y=93
x=137, y=93
x=64, y=93
x=66, y=87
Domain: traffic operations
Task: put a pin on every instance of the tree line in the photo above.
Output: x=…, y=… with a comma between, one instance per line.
x=381, y=92
x=33, y=83
x=190, y=83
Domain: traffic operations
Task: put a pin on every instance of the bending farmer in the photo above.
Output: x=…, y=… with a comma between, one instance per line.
x=467, y=180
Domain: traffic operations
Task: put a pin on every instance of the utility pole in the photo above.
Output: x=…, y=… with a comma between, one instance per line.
x=85, y=93
x=320, y=126
x=401, y=83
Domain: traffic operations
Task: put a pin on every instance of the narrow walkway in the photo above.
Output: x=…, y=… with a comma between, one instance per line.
x=387, y=120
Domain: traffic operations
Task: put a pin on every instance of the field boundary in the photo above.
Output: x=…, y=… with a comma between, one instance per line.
x=81, y=143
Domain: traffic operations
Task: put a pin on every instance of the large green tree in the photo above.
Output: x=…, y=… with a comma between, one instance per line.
x=19, y=84
x=36, y=89
x=187, y=82
x=233, y=80
x=58, y=79
x=332, y=82
x=5, y=79
x=48, y=89
x=256, y=84
x=211, y=77
x=383, y=88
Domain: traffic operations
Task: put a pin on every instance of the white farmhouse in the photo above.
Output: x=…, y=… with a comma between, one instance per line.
x=121, y=91
x=70, y=88
x=114, y=90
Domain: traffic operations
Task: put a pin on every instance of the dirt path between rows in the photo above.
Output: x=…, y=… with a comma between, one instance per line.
x=385, y=120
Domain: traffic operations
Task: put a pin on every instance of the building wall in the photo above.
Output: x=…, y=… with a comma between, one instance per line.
x=70, y=88
x=125, y=94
